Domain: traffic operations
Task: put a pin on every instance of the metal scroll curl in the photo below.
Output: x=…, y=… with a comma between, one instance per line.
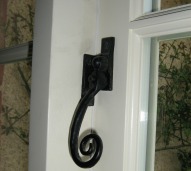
x=97, y=75
x=98, y=81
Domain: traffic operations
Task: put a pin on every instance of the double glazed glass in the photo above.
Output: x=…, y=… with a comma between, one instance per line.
x=173, y=114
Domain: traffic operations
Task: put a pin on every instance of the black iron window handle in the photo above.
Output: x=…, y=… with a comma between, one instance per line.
x=97, y=75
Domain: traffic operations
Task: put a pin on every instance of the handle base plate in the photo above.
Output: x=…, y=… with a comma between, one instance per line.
x=107, y=49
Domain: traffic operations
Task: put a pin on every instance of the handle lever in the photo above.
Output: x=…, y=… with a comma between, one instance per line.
x=97, y=75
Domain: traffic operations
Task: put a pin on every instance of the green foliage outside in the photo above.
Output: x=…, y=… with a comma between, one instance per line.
x=174, y=99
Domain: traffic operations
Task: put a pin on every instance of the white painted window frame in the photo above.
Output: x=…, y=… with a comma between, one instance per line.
x=142, y=29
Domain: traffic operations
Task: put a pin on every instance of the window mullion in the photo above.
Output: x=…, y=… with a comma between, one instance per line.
x=139, y=7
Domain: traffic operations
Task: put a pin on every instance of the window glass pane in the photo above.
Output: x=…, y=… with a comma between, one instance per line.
x=16, y=27
x=173, y=3
x=158, y=5
x=173, y=122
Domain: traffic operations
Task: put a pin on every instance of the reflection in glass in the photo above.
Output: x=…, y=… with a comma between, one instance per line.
x=173, y=132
